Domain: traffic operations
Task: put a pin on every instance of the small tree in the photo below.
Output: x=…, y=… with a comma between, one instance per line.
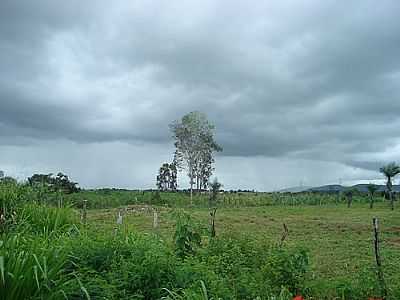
x=215, y=186
x=214, y=189
x=163, y=177
x=187, y=235
x=349, y=195
x=390, y=171
x=167, y=177
x=372, y=188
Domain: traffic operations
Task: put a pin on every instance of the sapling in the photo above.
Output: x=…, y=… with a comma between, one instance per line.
x=215, y=187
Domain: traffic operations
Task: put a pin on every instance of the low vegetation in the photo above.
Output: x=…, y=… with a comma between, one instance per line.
x=47, y=252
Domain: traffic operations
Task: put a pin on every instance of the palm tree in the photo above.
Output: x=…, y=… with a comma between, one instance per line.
x=372, y=188
x=390, y=171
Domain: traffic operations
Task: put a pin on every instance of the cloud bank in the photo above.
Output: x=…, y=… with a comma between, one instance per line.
x=306, y=91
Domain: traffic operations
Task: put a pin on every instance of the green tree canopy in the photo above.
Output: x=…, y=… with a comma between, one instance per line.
x=195, y=145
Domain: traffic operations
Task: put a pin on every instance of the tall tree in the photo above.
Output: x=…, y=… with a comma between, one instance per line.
x=173, y=176
x=194, y=142
x=204, y=170
x=390, y=171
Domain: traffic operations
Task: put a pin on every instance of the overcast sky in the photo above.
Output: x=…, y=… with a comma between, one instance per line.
x=299, y=91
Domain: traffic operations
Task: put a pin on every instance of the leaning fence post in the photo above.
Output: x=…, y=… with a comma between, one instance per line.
x=378, y=259
x=284, y=234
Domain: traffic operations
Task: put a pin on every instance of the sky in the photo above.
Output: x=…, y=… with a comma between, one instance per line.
x=300, y=92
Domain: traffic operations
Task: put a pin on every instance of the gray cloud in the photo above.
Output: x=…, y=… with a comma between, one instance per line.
x=311, y=80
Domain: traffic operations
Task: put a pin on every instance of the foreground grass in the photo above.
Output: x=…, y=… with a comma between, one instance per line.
x=339, y=238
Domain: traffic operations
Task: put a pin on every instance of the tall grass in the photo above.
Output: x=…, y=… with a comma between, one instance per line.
x=46, y=220
x=31, y=269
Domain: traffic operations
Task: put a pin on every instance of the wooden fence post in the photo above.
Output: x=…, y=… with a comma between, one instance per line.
x=119, y=218
x=84, y=212
x=213, y=213
x=155, y=219
x=284, y=234
x=378, y=259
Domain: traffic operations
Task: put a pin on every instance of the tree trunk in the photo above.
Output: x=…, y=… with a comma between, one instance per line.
x=391, y=200
x=349, y=200
x=191, y=193
x=389, y=187
x=191, y=184
x=371, y=202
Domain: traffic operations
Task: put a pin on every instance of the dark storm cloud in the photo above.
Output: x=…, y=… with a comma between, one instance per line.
x=305, y=80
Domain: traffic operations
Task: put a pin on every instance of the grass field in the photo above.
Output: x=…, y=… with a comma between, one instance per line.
x=47, y=252
x=339, y=239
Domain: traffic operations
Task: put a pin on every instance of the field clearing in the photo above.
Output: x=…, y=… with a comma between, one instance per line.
x=339, y=239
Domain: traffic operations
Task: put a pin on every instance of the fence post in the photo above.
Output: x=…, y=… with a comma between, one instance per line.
x=284, y=234
x=84, y=213
x=378, y=259
x=213, y=212
x=155, y=219
x=119, y=218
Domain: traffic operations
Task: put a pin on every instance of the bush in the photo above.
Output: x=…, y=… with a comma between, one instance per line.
x=285, y=268
x=187, y=235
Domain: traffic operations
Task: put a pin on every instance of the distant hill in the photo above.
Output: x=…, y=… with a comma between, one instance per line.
x=360, y=187
x=295, y=189
x=334, y=188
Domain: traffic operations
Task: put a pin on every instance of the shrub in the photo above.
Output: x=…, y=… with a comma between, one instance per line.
x=187, y=235
x=285, y=268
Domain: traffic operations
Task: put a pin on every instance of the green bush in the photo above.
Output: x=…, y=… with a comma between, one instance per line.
x=285, y=268
x=187, y=235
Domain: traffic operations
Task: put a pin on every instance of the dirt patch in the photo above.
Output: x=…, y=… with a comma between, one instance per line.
x=395, y=229
x=394, y=241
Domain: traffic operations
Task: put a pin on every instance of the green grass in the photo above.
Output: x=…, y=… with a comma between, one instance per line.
x=339, y=238
x=32, y=268
x=46, y=252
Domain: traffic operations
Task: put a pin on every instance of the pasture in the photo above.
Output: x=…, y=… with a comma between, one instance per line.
x=103, y=244
x=339, y=239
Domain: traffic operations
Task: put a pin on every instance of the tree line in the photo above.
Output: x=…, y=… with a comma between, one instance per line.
x=54, y=183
